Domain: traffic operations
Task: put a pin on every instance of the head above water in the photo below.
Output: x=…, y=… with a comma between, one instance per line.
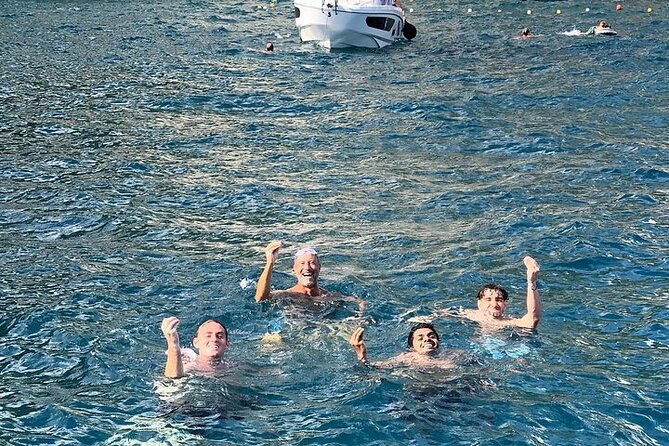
x=423, y=338
x=492, y=299
x=211, y=338
x=269, y=46
x=307, y=267
x=525, y=32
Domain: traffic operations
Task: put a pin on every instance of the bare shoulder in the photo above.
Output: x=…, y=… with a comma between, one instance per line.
x=401, y=359
x=471, y=314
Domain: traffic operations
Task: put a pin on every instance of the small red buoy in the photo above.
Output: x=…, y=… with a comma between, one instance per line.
x=619, y=7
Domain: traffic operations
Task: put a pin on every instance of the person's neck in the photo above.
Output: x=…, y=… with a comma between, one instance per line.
x=309, y=291
x=209, y=361
x=430, y=354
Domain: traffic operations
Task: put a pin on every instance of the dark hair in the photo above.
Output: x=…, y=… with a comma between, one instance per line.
x=225, y=330
x=494, y=287
x=418, y=327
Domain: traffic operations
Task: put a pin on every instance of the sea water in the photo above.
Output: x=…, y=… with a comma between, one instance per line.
x=148, y=155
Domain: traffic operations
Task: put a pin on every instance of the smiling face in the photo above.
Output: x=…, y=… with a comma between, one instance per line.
x=424, y=341
x=306, y=268
x=492, y=302
x=211, y=339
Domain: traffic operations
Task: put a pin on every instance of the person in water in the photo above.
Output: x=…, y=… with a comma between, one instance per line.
x=269, y=47
x=423, y=342
x=600, y=26
x=211, y=341
x=306, y=267
x=525, y=33
x=492, y=301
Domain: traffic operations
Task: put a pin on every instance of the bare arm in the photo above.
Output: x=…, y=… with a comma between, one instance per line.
x=533, y=315
x=265, y=280
x=358, y=344
x=362, y=305
x=174, y=367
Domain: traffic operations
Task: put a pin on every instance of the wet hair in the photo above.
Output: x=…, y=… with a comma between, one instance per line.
x=418, y=327
x=494, y=287
x=525, y=32
x=269, y=46
x=225, y=330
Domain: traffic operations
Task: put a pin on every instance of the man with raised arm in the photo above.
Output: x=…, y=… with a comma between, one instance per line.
x=306, y=267
x=423, y=343
x=211, y=341
x=492, y=302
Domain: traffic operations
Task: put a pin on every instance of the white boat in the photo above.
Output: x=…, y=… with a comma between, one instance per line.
x=352, y=23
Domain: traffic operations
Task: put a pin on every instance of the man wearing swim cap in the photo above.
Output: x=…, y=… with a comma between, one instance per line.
x=306, y=267
x=211, y=341
x=305, y=295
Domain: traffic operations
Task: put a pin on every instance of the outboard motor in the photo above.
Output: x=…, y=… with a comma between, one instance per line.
x=409, y=31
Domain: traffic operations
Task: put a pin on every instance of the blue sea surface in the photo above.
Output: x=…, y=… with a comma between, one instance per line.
x=149, y=152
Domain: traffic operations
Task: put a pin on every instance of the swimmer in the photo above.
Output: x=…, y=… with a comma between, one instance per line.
x=269, y=49
x=211, y=341
x=306, y=267
x=492, y=301
x=423, y=342
x=600, y=28
x=525, y=33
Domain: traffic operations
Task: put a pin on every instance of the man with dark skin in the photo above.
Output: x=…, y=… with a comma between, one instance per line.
x=423, y=342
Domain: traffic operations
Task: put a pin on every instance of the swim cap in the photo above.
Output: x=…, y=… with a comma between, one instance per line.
x=307, y=250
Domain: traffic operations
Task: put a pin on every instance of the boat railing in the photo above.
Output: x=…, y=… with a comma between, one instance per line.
x=366, y=2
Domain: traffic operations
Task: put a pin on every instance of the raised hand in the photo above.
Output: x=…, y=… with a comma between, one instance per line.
x=358, y=344
x=272, y=252
x=169, y=329
x=532, y=269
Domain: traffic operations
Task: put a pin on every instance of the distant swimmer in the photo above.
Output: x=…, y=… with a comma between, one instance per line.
x=601, y=28
x=211, y=341
x=525, y=33
x=492, y=301
x=269, y=49
x=423, y=342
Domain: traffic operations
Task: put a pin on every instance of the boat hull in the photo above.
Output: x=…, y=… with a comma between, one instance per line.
x=336, y=25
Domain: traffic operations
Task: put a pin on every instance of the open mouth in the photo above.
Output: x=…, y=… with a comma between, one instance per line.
x=213, y=346
x=430, y=345
x=308, y=276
